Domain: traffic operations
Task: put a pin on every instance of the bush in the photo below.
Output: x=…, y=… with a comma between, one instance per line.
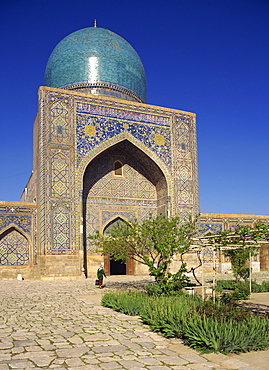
x=172, y=289
x=168, y=314
x=209, y=335
x=129, y=303
x=260, y=288
x=153, y=289
x=203, y=325
x=224, y=284
x=231, y=285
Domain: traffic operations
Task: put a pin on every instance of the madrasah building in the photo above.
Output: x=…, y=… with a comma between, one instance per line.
x=101, y=155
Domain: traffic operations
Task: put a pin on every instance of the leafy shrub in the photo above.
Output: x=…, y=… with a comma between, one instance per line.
x=209, y=335
x=224, y=284
x=231, y=285
x=171, y=289
x=153, y=289
x=240, y=290
x=168, y=314
x=260, y=288
x=129, y=303
x=244, y=273
x=218, y=310
x=203, y=325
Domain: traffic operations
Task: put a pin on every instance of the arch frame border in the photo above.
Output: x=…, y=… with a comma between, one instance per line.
x=31, y=247
x=92, y=154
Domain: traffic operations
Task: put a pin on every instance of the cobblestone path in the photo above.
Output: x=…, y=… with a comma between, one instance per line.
x=60, y=325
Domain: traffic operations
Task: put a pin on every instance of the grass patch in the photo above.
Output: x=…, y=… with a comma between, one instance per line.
x=203, y=325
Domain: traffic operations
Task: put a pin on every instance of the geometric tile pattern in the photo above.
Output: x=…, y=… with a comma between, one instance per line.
x=14, y=248
x=109, y=215
x=61, y=230
x=93, y=128
x=140, y=189
x=56, y=172
x=23, y=222
x=214, y=222
x=186, y=195
x=59, y=124
x=59, y=176
x=210, y=228
x=159, y=168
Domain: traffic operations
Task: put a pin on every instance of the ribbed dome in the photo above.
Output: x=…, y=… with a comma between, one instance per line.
x=97, y=61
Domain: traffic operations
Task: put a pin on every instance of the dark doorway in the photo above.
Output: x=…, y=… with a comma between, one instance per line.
x=117, y=268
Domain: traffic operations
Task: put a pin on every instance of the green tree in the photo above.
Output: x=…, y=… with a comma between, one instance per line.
x=154, y=242
x=240, y=245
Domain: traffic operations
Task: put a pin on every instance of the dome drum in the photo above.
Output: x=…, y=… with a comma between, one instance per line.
x=104, y=88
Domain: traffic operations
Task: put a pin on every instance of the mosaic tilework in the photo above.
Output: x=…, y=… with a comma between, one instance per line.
x=60, y=176
x=14, y=248
x=56, y=168
x=107, y=196
x=59, y=123
x=186, y=197
x=211, y=228
x=108, y=215
x=18, y=233
x=23, y=222
x=61, y=230
x=89, y=128
x=93, y=128
x=96, y=54
x=133, y=184
x=221, y=222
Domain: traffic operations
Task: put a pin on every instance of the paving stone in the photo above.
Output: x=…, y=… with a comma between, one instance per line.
x=212, y=365
x=74, y=362
x=131, y=357
x=72, y=352
x=17, y=350
x=171, y=360
x=129, y=364
x=90, y=360
x=110, y=358
x=50, y=319
x=198, y=367
x=163, y=367
x=24, y=343
x=103, y=354
x=42, y=360
x=149, y=361
x=233, y=364
x=90, y=367
x=111, y=365
x=108, y=349
x=193, y=358
x=20, y=364
x=167, y=352
x=33, y=349
x=6, y=345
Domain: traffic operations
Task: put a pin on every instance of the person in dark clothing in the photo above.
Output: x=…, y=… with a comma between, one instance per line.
x=100, y=275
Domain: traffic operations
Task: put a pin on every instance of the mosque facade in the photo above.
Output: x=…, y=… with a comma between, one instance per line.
x=101, y=156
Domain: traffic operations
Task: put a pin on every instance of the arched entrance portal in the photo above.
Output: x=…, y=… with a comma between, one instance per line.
x=120, y=183
x=114, y=267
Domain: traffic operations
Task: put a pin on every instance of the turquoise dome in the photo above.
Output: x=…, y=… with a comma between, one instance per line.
x=97, y=61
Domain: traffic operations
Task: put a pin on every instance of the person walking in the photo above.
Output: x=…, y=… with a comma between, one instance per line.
x=100, y=275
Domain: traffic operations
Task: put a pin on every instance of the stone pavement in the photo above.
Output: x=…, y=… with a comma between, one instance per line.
x=61, y=325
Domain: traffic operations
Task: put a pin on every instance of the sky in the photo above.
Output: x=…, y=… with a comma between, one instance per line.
x=210, y=57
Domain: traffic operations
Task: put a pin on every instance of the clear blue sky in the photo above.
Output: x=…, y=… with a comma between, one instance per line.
x=210, y=57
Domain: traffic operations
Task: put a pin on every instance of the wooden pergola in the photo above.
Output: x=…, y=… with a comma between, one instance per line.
x=211, y=244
